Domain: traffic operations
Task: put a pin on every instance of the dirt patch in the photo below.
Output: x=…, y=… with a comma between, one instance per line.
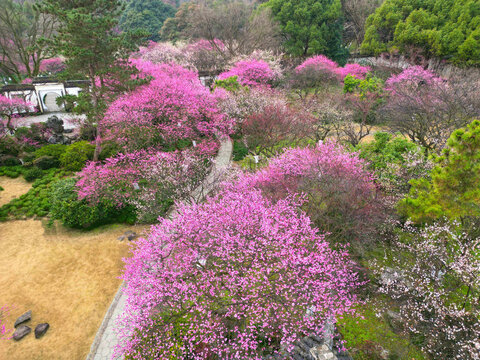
x=13, y=188
x=67, y=278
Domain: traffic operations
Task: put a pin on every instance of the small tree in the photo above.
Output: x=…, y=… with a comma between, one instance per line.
x=277, y=126
x=363, y=97
x=435, y=281
x=454, y=188
x=150, y=181
x=427, y=108
x=9, y=109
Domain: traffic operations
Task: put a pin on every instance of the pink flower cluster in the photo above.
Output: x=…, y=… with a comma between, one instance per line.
x=414, y=76
x=9, y=109
x=173, y=106
x=204, y=45
x=145, y=177
x=232, y=278
x=52, y=66
x=321, y=63
x=251, y=73
x=285, y=173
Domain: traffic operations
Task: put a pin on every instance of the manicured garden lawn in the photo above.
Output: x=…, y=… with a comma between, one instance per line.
x=67, y=278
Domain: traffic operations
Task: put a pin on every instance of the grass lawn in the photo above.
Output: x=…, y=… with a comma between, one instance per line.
x=67, y=278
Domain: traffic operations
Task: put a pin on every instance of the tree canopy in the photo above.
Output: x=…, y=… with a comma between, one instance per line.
x=147, y=15
x=443, y=28
x=311, y=26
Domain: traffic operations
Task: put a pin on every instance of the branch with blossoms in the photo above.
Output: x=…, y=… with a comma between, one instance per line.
x=149, y=180
x=234, y=278
x=436, y=283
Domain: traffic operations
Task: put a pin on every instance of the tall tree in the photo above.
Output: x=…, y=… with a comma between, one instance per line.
x=311, y=26
x=148, y=15
x=231, y=27
x=21, y=26
x=89, y=39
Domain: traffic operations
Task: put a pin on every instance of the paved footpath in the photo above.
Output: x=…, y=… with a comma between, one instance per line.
x=106, y=339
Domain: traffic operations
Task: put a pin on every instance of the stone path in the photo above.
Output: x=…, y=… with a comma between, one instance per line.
x=106, y=339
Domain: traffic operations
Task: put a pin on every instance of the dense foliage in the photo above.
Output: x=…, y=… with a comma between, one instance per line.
x=146, y=15
x=453, y=190
x=173, y=106
x=448, y=29
x=311, y=27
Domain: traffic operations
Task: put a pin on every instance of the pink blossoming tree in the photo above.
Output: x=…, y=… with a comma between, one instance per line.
x=9, y=109
x=148, y=180
x=173, y=106
x=237, y=277
x=427, y=108
x=341, y=196
x=251, y=73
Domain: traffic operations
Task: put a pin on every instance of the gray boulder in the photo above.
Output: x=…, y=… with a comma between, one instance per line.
x=21, y=332
x=23, y=318
x=41, y=329
x=55, y=124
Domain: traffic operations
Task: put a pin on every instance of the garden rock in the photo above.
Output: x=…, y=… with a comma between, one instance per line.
x=21, y=332
x=59, y=139
x=130, y=235
x=55, y=124
x=121, y=238
x=23, y=318
x=67, y=131
x=41, y=329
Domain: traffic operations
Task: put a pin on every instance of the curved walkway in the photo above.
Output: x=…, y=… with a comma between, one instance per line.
x=106, y=339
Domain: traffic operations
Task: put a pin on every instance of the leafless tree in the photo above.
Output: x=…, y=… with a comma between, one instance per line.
x=21, y=27
x=237, y=24
x=429, y=113
x=356, y=14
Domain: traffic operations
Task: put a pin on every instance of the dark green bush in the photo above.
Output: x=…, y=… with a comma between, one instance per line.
x=46, y=162
x=239, y=150
x=88, y=132
x=76, y=155
x=33, y=174
x=9, y=160
x=8, y=146
x=11, y=171
x=54, y=150
x=79, y=214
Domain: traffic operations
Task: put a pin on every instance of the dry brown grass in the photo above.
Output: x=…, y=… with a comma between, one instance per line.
x=67, y=278
x=13, y=188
